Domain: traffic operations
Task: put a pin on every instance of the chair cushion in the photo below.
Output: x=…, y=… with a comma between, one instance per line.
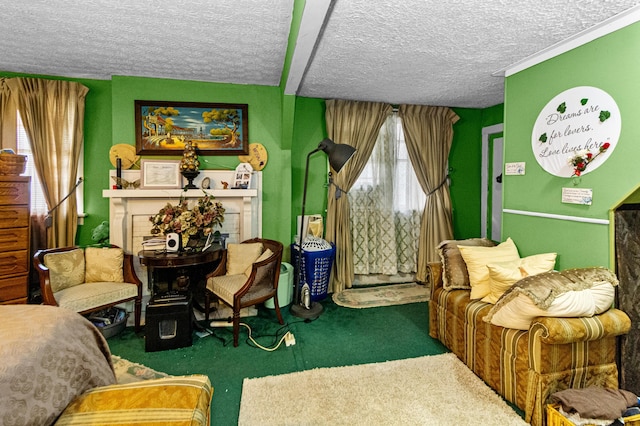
x=181, y=400
x=264, y=256
x=225, y=286
x=66, y=268
x=477, y=259
x=92, y=295
x=242, y=256
x=103, y=264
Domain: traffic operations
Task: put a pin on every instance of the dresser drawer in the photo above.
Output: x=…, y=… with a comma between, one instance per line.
x=13, y=263
x=14, y=239
x=14, y=216
x=13, y=288
x=14, y=193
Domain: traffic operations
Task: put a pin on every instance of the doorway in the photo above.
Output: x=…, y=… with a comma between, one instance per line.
x=496, y=190
x=491, y=182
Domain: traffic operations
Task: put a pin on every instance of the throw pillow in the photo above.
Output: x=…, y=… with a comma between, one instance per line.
x=66, y=268
x=477, y=259
x=503, y=275
x=264, y=256
x=104, y=264
x=241, y=256
x=454, y=270
x=571, y=293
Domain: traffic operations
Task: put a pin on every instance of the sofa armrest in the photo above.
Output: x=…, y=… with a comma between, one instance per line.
x=554, y=330
x=183, y=399
x=434, y=275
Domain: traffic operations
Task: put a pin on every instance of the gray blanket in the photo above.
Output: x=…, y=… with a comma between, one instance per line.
x=595, y=403
x=49, y=356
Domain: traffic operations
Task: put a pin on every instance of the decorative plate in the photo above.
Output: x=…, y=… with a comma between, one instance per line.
x=126, y=152
x=257, y=156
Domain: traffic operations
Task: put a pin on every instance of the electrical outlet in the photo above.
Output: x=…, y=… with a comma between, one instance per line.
x=289, y=340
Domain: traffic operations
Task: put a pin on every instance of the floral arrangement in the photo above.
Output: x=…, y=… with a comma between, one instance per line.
x=580, y=160
x=200, y=220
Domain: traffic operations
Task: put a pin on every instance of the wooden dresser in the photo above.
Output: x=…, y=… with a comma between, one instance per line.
x=14, y=239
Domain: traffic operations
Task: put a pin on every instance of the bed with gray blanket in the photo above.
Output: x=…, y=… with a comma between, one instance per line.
x=45, y=365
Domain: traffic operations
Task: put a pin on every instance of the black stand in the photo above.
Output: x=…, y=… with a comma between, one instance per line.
x=190, y=175
x=298, y=309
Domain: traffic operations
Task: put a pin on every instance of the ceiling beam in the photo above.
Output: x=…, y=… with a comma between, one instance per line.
x=312, y=23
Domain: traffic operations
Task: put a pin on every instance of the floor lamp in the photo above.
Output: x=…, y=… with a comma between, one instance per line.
x=338, y=155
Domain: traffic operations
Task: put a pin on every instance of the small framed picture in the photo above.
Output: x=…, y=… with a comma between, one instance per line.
x=242, y=177
x=159, y=174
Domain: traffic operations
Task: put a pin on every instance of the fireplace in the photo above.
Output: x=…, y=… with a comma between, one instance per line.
x=627, y=255
x=130, y=209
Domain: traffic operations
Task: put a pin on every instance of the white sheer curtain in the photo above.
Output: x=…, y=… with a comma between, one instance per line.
x=386, y=202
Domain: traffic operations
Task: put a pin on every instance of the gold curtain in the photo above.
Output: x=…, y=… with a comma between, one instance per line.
x=357, y=124
x=428, y=133
x=7, y=117
x=52, y=112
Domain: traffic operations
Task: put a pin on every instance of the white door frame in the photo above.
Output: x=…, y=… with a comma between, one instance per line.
x=484, y=177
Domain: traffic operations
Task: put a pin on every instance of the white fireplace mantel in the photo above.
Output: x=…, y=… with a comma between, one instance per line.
x=130, y=209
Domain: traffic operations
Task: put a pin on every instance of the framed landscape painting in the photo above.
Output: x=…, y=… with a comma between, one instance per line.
x=163, y=128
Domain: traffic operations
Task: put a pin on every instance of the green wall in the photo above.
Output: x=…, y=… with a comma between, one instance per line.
x=612, y=64
x=464, y=163
x=265, y=126
x=309, y=131
x=288, y=126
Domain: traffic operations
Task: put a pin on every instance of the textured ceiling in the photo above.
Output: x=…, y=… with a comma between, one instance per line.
x=411, y=51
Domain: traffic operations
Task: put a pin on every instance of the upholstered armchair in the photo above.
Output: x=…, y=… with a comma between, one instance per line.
x=247, y=274
x=88, y=280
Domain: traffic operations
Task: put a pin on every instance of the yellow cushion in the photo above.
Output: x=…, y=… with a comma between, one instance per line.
x=103, y=264
x=66, y=268
x=264, y=256
x=503, y=275
x=241, y=256
x=226, y=286
x=477, y=259
x=180, y=401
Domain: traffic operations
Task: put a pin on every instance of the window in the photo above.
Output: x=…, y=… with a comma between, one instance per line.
x=38, y=202
x=407, y=193
x=386, y=208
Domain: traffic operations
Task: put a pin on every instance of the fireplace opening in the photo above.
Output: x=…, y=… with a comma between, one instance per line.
x=627, y=264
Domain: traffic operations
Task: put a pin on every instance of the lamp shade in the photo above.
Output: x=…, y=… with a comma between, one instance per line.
x=338, y=154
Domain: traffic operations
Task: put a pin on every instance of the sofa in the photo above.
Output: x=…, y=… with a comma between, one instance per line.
x=88, y=280
x=548, y=349
x=57, y=369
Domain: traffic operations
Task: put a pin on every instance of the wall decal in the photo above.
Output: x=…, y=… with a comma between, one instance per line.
x=582, y=196
x=514, y=168
x=576, y=131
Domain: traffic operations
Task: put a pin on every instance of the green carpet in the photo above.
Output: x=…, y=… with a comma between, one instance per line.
x=339, y=337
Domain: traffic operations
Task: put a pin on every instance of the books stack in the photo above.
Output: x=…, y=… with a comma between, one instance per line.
x=155, y=243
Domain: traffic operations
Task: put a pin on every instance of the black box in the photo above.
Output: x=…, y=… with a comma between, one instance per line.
x=168, y=322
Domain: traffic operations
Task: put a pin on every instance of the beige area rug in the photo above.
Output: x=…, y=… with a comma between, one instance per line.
x=128, y=372
x=371, y=297
x=430, y=390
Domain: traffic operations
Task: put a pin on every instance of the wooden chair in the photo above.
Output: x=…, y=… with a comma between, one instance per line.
x=247, y=274
x=88, y=280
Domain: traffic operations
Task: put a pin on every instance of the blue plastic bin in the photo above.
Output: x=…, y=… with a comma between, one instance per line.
x=317, y=265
